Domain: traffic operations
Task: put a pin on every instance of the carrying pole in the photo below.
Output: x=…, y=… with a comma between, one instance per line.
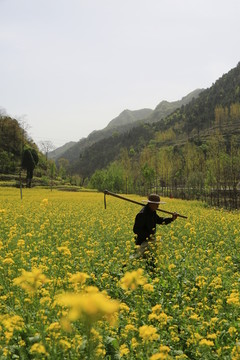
x=20, y=183
x=106, y=192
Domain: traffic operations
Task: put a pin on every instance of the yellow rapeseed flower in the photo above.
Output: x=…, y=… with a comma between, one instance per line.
x=232, y=331
x=20, y=243
x=44, y=202
x=66, y=345
x=54, y=327
x=162, y=354
x=235, y=355
x=233, y=298
x=124, y=307
x=158, y=314
x=130, y=327
x=124, y=350
x=148, y=287
x=148, y=333
x=64, y=250
x=79, y=278
x=132, y=280
x=206, y=342
x=38, y=349
x=171, y=267
x=30, y=281
x=8, y=261
x=201, y=281
x=93, y=305
x=11, y=323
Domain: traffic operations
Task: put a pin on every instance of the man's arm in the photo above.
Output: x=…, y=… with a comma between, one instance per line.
x=166, y=221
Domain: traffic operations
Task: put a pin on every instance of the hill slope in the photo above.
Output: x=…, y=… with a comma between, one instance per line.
x=128, y=117
x=57, y=153
x=123, y=123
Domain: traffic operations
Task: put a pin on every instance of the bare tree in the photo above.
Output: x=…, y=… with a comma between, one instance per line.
x=46, y=146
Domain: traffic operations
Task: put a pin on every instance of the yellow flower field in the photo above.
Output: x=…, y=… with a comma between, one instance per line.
x=69, y=288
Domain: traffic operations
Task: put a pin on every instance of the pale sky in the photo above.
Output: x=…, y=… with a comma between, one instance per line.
x=68, y=67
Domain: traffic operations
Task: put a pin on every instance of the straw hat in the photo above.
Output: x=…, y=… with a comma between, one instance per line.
x=154, y=199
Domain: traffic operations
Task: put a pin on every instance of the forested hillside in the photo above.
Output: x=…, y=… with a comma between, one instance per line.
x=14, y=140
x=193, y=151
x=12, y=137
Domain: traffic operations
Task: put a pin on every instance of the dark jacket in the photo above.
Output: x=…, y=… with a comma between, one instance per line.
x=145, y=224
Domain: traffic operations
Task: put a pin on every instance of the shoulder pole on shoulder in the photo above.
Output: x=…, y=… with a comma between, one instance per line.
x=106, y=192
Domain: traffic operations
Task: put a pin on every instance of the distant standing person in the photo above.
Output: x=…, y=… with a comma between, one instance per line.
x=146, y=221
x=29, y=161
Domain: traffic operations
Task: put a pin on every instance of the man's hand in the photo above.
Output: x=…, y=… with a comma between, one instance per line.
x=174, y=216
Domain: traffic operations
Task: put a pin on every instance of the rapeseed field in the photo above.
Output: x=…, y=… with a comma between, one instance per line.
x=71, y=289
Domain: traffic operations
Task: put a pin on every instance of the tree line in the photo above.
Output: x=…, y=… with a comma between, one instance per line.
x=20, y=155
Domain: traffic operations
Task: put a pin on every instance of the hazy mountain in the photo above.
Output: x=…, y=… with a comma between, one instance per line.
x=57, y=153
x=123, y=123
x=128, y=117
x=165, y=108
x=120, y=124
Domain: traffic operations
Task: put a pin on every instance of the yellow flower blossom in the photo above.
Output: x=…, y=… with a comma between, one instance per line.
x=124, y=307
x=132, y=280
x=30, y=281
x=38, y=349
x=171, y=267
x=158, y=314
x=148, y=287
x=212, y=336
x=20, y=243
x=164, y=349
x=206, y=342
x=201, y=281
x=158, y=356
x=194, y=317
x=54, y=327
x=64, y=250
x=134, y=343
x=148, y=333
x=8, y=261
x=235, y=354
x=162, y=354
x=44, y=202
x=93, y=305
x=10, y=324
x=66, y=345
x=124, y=350
x=79, y=278
x=233, y=298
x=130, y=327
x=232, y=331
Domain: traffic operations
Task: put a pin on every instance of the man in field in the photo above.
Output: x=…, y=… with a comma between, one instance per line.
x=146, y=221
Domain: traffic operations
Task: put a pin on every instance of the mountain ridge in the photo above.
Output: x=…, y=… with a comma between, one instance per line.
x=123, y=123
